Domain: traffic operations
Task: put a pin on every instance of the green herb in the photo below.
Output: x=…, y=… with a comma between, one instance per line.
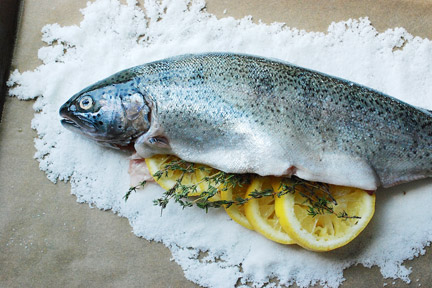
x=317, y=195
x=133, y=189
x=180, y=192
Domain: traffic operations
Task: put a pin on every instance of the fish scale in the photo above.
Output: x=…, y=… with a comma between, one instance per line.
x=247, y=114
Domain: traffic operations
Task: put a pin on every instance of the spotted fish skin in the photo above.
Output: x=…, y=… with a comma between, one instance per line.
x=247, y=114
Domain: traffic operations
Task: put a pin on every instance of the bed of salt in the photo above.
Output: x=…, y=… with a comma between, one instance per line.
x=113, y=37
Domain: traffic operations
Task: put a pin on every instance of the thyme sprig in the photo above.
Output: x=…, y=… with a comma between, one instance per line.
x=133, y=189
x=180, y=193
x=317, y=195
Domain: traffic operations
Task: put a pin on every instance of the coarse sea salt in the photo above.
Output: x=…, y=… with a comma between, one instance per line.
x=113, y=36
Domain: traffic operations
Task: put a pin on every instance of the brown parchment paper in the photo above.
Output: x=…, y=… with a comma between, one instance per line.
x=47, y=239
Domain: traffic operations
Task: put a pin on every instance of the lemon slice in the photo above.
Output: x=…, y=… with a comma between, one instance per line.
x=261, y=212
x=325, y=232
x=168, y=180
x=236, y=212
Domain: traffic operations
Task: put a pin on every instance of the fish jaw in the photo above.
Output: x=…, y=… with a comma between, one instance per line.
x=72, y=122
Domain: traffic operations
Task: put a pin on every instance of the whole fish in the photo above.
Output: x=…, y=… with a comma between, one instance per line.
x=247, y=114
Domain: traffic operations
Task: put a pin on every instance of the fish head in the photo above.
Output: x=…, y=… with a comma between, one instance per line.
x=113, y=114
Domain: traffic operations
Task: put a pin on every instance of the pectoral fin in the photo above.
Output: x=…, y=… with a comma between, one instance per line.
x=151, y=143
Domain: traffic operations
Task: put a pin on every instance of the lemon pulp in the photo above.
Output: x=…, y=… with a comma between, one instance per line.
x=169, y=179
x=236, y=212
x=326, y=231
x=261, y=212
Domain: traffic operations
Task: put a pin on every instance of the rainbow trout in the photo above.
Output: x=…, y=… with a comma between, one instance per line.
x=247, y=114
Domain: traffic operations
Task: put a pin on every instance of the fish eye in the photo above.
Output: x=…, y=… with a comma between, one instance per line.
x=86, y=102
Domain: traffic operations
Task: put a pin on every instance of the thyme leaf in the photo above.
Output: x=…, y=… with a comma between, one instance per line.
x=133, y=189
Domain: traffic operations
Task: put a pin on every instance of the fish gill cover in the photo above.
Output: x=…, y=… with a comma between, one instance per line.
x=113, y=36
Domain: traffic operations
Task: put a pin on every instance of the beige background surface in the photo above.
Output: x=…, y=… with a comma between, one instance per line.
x=47, y=239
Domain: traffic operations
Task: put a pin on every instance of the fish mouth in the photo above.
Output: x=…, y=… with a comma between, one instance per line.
x=90, y=132
x=69, y=123
x=81, y=126
x=87, y=129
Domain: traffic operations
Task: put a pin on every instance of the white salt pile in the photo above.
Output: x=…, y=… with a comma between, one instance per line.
x=113, y=37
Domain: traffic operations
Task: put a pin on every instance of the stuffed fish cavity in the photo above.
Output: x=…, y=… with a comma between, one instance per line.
x=247, y=114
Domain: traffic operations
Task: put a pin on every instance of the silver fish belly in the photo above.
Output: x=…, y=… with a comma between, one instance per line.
x=247, y=114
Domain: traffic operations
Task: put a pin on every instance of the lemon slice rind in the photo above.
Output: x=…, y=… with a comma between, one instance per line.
x=236, y=212
x=324, y=232
x=265, y=223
